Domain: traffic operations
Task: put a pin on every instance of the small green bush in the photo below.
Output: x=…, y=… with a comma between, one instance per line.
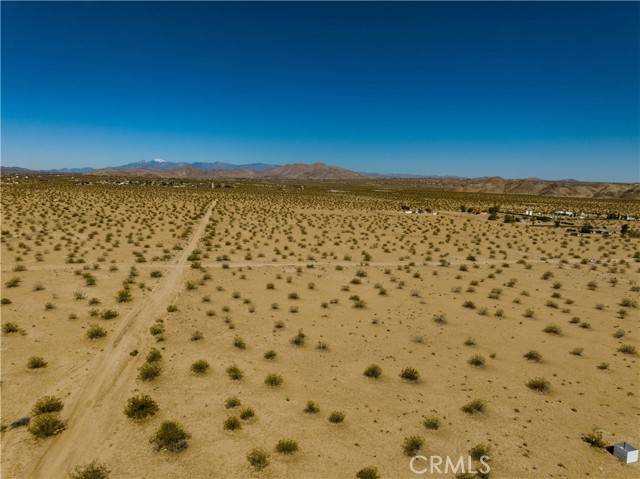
x=336, y=417
x=45, y=425
x=200, y=367
x=287, y=446
x=171, y=436
x=36, y=362
x=475, y=406
x=373, y=371
x=93, y=470
x=412, y=444
x=232, y=423
x=47, y=404
x=149, y=371
x=258, y=459
x=140, y=407
x=410, y=374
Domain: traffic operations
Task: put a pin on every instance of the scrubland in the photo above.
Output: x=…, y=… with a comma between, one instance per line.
x=303, y=331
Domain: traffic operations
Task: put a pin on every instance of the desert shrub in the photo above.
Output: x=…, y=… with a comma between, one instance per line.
x=298, y=339
x=273, y=380
x=410, y=374
x=232, y=402
x=271, y=354
x=9, y=327
x=196, y=336
x=156, y=274
x=411, y=445
x=538, y=384
x=373, y=371
x=232, y=423
x=336, y=417
x=552, y=329
x=577, y=351
x=311, y=408
x=475, y=406
x=172, y=308
x=431, y=422
x=603, y=366
x=533, y=356
x=109, y=314
x=234, y=373
x=247, y=413
x=239, y=343
x=287, y=446
x=478, y=451
x=154, y=356
x=477, y=361
x=258, y=459
x=628, y=349
x=439, y=319
x=594, y=439
x=368, y=473
x=140, y=407
x=13, y=282
x=93, y=470
x=200, y=366
x=47, y=404
x=149, y=371
x=36, y=362
x=171, y=436
x=45, y=425
x=95, y=332
x=124, y=296
x=470, y=342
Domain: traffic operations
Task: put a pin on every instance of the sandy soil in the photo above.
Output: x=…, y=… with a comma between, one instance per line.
x=366, y=285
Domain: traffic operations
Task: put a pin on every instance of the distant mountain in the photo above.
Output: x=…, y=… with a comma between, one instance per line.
x=320, y=171
x=158, y=164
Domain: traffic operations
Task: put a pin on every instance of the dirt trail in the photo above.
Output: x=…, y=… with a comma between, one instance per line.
x=90, y=410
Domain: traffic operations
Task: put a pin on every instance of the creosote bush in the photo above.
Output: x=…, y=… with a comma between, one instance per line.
x=478, y=451
x=594, y=439
x=149, y=371
x=539, y=384
x=411, y=445
x=373, y=371
x=336, y=417
x=311, y=408
x=36, y=362
x=287, y=446
x=533, y=356
x=47, y=404
x=170, y=436
x=410, y=374
x=232, y=423
x=368, y=473
x=96, y=332
x=93, y=470
x=258, y=459
x=273, y=380
x=45, y=425
x=431, y=422
x=140, y=407
x=475, y=406
x=200, y=367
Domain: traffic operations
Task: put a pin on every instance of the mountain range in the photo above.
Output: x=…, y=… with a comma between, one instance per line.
x=158, y=168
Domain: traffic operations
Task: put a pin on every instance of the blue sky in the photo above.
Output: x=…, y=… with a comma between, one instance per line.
x=471, y=89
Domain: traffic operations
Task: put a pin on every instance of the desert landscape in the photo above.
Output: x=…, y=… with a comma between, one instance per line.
x=313, y=329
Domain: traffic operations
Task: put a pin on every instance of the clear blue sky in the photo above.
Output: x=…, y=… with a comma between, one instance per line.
x=511, y=89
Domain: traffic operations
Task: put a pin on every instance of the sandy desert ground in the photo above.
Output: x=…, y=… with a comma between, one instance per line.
x=323, y=333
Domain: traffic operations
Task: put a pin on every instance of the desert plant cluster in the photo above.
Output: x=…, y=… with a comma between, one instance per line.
x=309, y=330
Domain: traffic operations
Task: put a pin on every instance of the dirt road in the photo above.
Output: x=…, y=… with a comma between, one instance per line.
x=90, y=410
